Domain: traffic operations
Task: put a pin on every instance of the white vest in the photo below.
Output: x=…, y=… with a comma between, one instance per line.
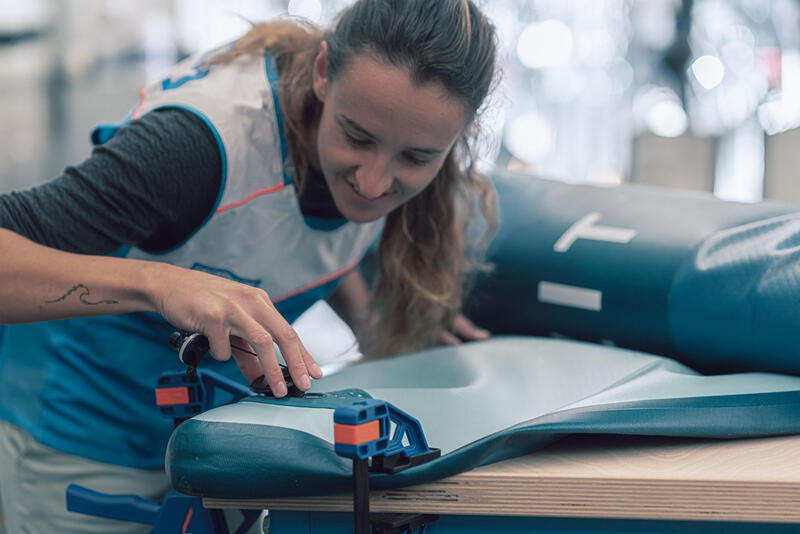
x=256, y=233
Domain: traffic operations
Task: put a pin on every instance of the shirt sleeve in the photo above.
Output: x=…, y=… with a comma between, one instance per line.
x=151, y=185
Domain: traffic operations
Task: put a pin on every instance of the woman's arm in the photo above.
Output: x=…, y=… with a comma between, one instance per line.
x=151, y=185
x=38, y=283
x=350, y=298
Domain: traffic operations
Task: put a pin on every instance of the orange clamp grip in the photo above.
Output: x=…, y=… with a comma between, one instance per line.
x=356, y=434
x=170, y=396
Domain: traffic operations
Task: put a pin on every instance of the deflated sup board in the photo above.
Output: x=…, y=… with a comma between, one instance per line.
x=710, y=283
x=479, y=403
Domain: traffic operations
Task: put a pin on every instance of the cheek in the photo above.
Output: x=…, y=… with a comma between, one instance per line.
x=415, y=181
x=423, y=176
x=326, y=140
x=332, y=152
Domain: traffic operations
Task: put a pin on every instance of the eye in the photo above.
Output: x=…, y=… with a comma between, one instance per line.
x=356, y=141
x=414, y=160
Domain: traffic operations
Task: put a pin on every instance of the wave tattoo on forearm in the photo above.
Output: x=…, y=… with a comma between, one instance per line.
x=82, y=296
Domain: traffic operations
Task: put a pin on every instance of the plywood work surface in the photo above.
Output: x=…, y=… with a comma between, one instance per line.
x=605, y=476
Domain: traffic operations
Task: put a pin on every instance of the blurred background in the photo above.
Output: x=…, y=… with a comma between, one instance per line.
x=693, y=94
x=696, y=94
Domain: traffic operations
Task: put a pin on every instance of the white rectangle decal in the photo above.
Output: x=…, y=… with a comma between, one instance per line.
x=572, y=296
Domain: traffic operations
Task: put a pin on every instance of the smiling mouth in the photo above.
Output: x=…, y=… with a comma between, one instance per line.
x=357, y=191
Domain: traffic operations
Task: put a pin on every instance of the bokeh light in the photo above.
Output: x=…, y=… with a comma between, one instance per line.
x=529, y=137
x=659, y=110
x=307, y=9
x=708, y=70
x=545, y=44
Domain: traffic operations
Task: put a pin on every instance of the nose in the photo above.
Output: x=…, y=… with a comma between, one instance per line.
x=374, y=176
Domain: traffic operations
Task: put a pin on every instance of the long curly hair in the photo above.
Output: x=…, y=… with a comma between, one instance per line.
x=425, y=260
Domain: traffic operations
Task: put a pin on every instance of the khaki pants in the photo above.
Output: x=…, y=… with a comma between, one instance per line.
x=33, y=489
x=34, y=479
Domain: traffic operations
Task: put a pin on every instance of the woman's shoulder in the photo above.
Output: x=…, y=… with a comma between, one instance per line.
x=242, y=83
x=236, y=102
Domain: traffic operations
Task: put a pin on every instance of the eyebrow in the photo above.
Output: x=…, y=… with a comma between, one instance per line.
x=349, y=123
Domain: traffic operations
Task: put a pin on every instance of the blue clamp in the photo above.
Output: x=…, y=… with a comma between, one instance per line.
x=362, y=430
x=181, y=395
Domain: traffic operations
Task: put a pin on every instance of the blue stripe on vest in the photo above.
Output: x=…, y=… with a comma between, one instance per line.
x=167, y=83
x=199, y=73
x=273, y=76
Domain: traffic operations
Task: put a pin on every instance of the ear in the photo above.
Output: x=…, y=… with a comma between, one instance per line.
x=320, y=74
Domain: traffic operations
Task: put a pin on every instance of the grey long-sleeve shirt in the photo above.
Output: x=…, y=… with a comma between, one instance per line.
x=151, y=185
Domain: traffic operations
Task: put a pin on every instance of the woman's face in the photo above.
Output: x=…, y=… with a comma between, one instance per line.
x=381, y=139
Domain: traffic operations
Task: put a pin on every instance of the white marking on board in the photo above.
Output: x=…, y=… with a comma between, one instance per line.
x=587, y=229
x=572, y=296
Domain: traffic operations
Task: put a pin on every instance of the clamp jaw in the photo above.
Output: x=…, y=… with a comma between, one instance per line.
x=362, y=431
x=182, y=395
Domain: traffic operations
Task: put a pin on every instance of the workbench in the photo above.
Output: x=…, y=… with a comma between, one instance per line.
x=588, y=483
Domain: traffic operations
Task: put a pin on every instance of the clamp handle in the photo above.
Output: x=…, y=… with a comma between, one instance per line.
x=121, y=507
x=191, y=346
x=175, y=513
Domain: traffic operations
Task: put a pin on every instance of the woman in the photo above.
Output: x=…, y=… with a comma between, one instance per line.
x=245, y=186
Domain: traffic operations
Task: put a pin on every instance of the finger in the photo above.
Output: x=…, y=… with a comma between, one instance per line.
x=311, y=364
x=447, y=338
x=466, y=329
x=291, y=348
x=299, y=361
x=275, y=380
x=246, y=358
x=293, y=353
x=219, y=345
x=262, y=342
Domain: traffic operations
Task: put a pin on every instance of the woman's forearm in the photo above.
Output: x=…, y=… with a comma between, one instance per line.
x=38, y=283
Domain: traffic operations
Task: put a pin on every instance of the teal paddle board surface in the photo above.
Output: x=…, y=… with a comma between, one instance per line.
x=477, y=402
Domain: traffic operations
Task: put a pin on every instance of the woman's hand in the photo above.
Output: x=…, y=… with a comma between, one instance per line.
x=233, y=316
x=463, y=330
